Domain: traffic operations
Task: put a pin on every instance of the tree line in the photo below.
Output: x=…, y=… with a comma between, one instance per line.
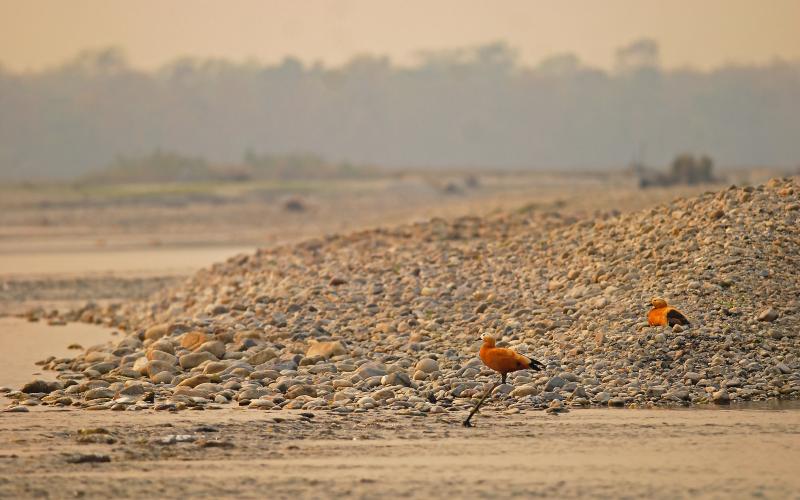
x=476, y=107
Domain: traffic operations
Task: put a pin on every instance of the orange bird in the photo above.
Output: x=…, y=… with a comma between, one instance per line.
x=661, y=314
x=503, y=361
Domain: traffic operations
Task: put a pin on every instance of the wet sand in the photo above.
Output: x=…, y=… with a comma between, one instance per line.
x=22, y=344
x=588, y=453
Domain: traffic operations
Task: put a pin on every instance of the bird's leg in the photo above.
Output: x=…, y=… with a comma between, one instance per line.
x=475, y=410
x=503, y=380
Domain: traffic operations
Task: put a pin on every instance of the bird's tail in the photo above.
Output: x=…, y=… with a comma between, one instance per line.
x=535, y=365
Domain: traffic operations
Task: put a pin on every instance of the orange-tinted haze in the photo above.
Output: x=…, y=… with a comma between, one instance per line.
x=40, y=33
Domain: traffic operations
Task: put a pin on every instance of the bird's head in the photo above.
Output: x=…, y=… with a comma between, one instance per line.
x=488, y=340
x=658, y=302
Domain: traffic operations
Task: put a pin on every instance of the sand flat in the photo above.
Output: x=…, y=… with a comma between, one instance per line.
x=597, y=453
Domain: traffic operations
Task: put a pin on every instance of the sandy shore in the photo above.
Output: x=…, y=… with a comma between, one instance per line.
x=253, y=454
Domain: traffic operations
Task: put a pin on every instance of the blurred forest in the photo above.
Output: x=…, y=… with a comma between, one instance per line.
x=477, y=107
x=168, y=166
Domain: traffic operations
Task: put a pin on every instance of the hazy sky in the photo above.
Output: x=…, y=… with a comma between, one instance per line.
x=701, y=33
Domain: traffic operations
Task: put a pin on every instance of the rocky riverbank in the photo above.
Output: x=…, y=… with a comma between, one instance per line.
x=392, y=318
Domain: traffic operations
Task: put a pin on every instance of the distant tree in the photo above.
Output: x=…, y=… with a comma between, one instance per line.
x=158, y=166
x=560, y=66
x=686, y=169
x=639, y=55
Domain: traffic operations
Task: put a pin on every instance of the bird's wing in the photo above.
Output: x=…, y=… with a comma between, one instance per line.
x=506, y=360
x=501, y=359
x=675, y=316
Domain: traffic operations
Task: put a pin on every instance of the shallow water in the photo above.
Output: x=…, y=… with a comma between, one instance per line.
x=772, y=404
x=23, y=343
x=159, y=261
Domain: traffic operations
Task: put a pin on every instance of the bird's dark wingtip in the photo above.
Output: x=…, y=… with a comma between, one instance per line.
x=675, y=317
x=536, y=365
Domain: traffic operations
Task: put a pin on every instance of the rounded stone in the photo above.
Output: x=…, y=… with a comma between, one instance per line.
x=427, y=365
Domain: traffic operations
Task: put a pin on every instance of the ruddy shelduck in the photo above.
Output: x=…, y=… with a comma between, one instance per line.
x=662, y=314
x=503, y=361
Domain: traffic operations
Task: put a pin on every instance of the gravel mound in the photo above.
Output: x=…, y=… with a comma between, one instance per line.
x=392, y=318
